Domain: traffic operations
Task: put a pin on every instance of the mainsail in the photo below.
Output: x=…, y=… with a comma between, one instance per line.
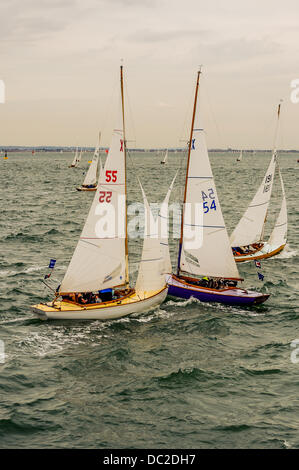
x=212, y=257
x=91, y=175
x=75, y=158
x=165, y=157
x=250, y=228
x=99, y=259
x=278, y=236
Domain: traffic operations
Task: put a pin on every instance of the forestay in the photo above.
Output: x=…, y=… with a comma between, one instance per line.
x=250, y=228
x=212, y=257
x=99, y=259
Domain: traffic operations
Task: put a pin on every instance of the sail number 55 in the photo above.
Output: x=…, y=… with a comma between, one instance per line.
x=207, y=205
x=111, y=175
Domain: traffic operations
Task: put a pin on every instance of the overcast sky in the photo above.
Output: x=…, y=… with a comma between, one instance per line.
x=60, y=63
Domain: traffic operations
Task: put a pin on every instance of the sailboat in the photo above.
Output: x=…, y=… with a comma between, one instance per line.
x=207, y=270
x=247, y=240
x=77, y=159
x=165, y=158
x=90, y=180
x=96, y=285
x=240, y=156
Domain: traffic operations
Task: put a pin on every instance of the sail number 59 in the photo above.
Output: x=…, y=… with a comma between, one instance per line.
x=206, y=204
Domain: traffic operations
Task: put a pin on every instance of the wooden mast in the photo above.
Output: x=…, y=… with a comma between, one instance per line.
x=187, y=171
x=125, y=156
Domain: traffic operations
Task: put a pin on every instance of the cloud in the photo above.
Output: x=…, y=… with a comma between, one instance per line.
x=240, y=49
x=152, y=36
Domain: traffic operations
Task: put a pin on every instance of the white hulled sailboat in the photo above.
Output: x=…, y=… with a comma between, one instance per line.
x=96, y=284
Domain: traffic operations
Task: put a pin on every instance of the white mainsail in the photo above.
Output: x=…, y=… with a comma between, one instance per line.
x=214, y=257
x=75, y=158
x=163, y=229
x=165, y=157
x=278, y=236
x=99, y=259
x=151, y=269
x=91, y=175
x=250, y=228
x=240, y=156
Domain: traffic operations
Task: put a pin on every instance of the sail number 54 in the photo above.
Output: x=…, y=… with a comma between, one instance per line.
x=207, y=205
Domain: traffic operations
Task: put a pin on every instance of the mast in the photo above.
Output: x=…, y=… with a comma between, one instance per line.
x=187, y=170
x=125, y=156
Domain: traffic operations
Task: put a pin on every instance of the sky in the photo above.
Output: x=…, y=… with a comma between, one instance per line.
x=59, y=60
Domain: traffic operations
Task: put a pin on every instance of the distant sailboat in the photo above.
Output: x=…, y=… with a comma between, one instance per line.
x=90, y=180
x=240, y=156
x=96, y=285
x=247, y=240
x=79, y=157
x=75, y=160
x=165, y=157
x=207, y=271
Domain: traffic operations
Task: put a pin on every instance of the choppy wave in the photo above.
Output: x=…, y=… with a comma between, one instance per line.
x=287, y=253
x=183, y=375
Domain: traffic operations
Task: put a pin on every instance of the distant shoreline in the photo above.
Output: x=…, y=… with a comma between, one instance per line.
x=11, y=148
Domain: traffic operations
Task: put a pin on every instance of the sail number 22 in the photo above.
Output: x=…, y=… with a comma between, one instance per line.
x=206, y=204
x=105, y=196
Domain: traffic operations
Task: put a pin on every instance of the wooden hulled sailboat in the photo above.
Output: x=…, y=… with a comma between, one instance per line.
x=90, y=180
x=96, y=284
x=165, y=158
x=207, y=270
x=247, y=240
